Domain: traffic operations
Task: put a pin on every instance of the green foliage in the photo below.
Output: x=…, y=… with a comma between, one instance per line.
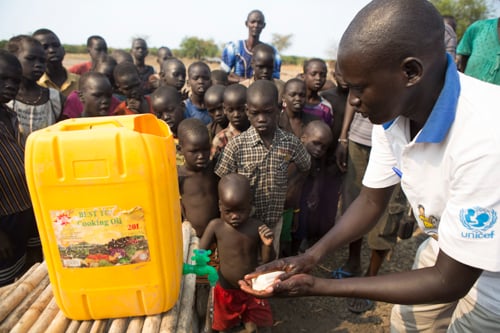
x=196, y=48
x=464, y=11
x=281, y=42
x=75, y=48
x=292, y=60
x=3, y=42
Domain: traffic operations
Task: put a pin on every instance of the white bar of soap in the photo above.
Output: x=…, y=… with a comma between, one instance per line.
x=263, y=281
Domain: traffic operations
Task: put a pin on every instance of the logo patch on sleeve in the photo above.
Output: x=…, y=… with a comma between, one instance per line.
x=478, y=221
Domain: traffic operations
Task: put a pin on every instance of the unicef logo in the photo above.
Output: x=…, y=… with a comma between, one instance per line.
x=478, y=219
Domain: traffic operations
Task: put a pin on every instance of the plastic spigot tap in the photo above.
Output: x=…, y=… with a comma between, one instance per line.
x=201, y=258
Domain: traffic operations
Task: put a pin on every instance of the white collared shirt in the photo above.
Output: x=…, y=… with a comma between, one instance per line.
x=451, y=175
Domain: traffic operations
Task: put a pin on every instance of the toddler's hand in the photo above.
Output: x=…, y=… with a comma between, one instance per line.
x=266, y=235
x=134, y=104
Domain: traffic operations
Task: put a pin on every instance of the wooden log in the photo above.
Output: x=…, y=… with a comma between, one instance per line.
x=151, y=324
x=186, y=240
x=73, y=326
x=45, y=318
x=118, y=325
x=187, y=300
x=135, y=325
x=59, y=324
x=13, y=318
x=85, y=326
x=22, y=290
x=99, y=326
x=5, y=290
x=33, y=313
x=169, y=319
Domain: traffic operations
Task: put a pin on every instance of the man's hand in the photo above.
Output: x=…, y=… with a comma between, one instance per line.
x=296, y=285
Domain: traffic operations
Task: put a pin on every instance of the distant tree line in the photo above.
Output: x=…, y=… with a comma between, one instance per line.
x=191, y=47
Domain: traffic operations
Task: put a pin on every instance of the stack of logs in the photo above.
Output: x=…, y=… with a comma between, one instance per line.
x=28, y=305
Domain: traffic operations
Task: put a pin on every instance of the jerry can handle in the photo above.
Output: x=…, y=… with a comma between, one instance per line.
x=80, y=125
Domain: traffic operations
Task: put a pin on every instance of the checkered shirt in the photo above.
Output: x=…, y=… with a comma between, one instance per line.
x=266, y=168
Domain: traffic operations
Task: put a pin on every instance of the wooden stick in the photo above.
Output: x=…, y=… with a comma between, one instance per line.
x=35, y=310
x=73, y=326
x=85, y=326
x=186, y=240
x=22, y=290
x=151, y=324
x=5, y=290
x=170, y=318
x=135, y=325
x=187, y=301
x=45, y=318
x=118, y=325
x=99, y=326
x=59, y=324
x=13, y=318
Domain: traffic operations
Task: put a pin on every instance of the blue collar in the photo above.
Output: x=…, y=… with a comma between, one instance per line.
x=443, y=114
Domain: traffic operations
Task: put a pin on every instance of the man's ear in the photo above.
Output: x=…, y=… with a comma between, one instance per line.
x=412, y=70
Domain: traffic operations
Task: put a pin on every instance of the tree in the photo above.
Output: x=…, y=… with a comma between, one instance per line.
x=464, y=11
x=281, y=42
x=194, y=47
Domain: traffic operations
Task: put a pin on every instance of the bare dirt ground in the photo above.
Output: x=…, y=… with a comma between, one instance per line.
x=325, y=314
x=329, y=314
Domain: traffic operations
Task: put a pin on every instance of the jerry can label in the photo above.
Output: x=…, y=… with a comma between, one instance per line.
x=100, y=236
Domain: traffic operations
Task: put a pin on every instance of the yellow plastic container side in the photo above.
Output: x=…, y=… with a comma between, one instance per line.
x=106, y=200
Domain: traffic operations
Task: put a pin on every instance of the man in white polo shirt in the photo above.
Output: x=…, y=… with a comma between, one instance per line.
x=438, y=134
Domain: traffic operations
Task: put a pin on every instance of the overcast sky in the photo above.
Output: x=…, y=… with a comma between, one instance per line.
x=316, y=29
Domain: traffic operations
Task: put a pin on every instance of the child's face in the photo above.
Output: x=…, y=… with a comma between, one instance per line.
x=196, y=151
x=54, y=51
x=235, y=111
x=32, y=59
x=97, y=49
x=315, y=75
x=295, y=97
x=216, y=110
x=199, y=80
x=130, y=85
x=174, y=74
x=234, y=211
x=263, y=65
x=10, y=79
x=96, y=97
x=317, y=143
x=139, y=49
x=170, y=112
x=263, y=115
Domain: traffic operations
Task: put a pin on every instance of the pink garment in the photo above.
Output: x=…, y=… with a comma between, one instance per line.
x=73, y=108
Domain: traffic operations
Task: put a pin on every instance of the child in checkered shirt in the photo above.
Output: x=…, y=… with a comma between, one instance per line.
x=263, y=154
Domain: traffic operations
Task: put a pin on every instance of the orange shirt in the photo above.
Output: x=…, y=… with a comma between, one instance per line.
x=122, y=108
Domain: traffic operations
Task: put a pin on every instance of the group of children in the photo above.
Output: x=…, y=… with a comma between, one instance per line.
x=255, y=168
